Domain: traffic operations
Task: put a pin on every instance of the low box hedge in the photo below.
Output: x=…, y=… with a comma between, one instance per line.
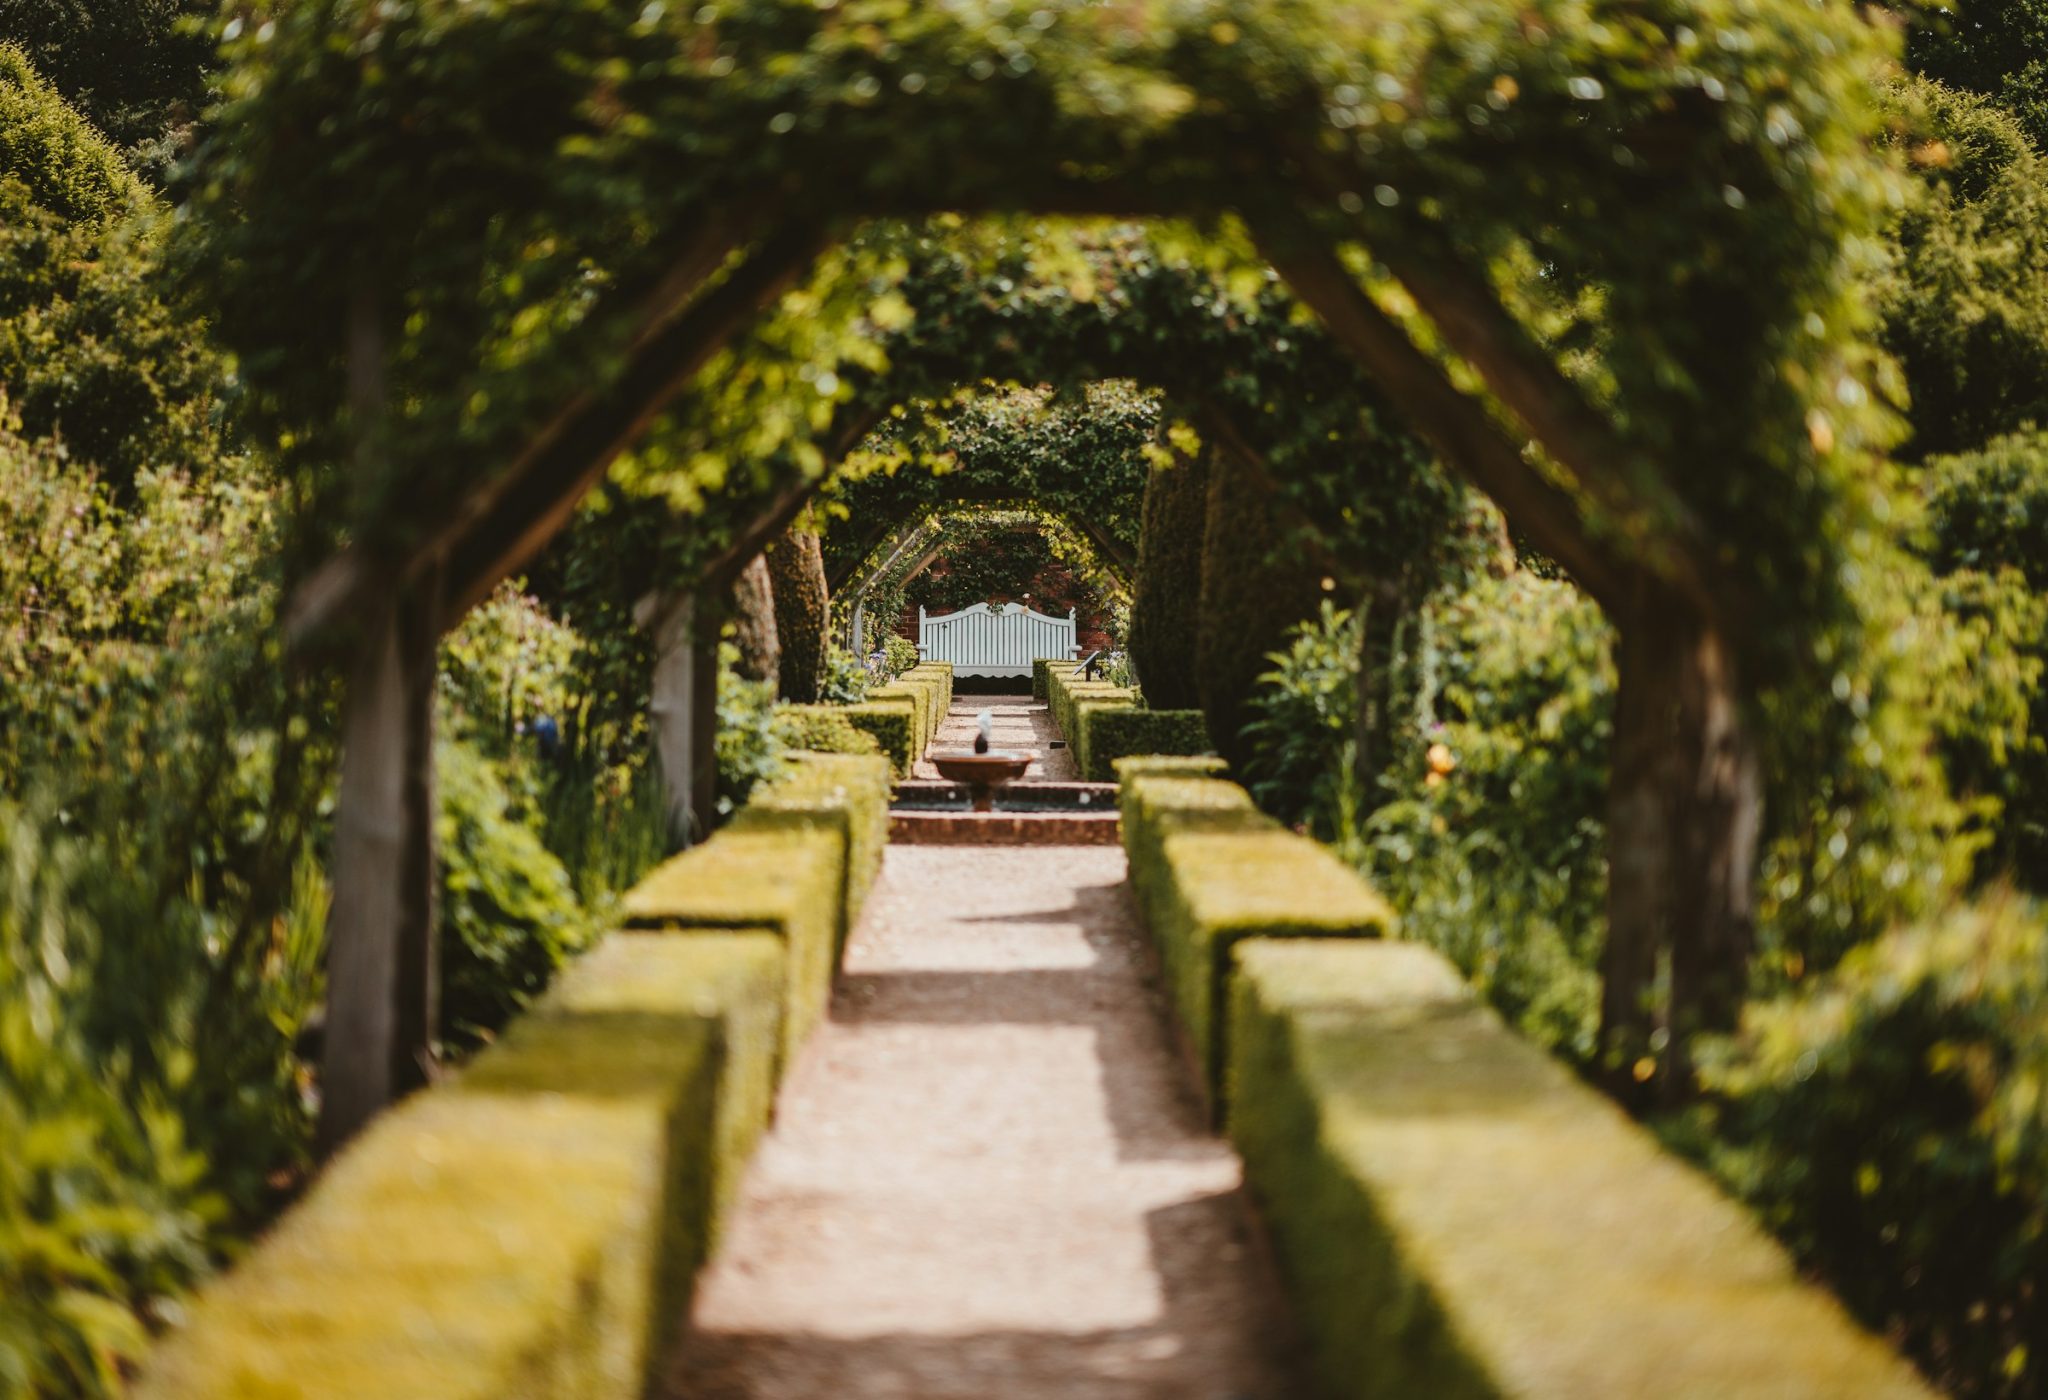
x=1161, y=765
x=1456, y=1215
x=789, y=879
x=890, y=722
x=1111, y=733
x=1041, y=673
x=1152, y=804
x=1073, y=701
x=528, y=1228
x=939, y=674
x=846, y=794
x=823, y=729
x=1210, y=870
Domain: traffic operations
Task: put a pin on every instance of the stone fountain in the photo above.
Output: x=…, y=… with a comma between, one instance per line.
x=984, y=768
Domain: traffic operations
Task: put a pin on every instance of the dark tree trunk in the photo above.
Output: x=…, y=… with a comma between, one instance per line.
x=1167, y=597
x=796, y=565
x=1684, y=813
x=753, y=616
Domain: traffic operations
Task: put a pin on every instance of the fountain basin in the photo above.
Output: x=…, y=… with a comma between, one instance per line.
x=983, y=773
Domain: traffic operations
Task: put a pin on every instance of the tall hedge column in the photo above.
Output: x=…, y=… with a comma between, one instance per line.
x=1166, y=608
x=796, y=564
x=1252, y=591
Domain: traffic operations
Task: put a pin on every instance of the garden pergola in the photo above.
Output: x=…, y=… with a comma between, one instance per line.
x=1592, y=251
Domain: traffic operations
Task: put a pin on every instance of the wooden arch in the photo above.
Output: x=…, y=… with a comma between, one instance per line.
x=1434, y=141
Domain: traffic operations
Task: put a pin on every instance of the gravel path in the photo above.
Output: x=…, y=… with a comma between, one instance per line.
x=1020, y=723
x=988, y=1180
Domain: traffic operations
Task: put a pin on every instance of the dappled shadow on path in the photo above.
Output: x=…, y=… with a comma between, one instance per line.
x=990, y=1175
x=1193, y=1351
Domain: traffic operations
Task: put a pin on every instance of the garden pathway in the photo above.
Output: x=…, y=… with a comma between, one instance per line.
x=988, y=1177
x=1020, y=723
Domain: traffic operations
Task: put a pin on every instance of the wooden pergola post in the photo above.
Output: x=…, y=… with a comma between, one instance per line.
x=683, y=709
x=382, y=983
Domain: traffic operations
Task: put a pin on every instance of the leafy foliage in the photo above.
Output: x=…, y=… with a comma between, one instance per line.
x=1167, y=594
x=1495, y=848
x=1996, y=48
x=751, y=740
x=136, y=68
x=1299, y=738
x=1965, y=299
x=1080, y=455
x=819, y=729
x=1892, y=1121
x=90, y=347
x=509, y=915
x=103, y=1203
x=1987, y=535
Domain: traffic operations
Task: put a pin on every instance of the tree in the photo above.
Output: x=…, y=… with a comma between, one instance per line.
x=796, y=566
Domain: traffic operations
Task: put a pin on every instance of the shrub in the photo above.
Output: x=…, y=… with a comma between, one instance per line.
x=506, y=664
x=845, y=678
x=103, y=1204
x=823, y=729
x=1497, y=854
x=135, y=67
x=891, y=724
x=1210, y=871
x=899, y=654
x=1116, y=734
x=1965, y=302
x=1170, y=766
x=90, y=349
x=1891, y=1121
x=509, y=916
x=750, y=742
x=1299, y=740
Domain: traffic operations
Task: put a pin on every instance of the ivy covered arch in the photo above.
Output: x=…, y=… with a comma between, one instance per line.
x=1594, y=250
x=1082, y=455
x=919, y=541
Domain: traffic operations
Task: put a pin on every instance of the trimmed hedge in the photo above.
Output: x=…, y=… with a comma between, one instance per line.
x=1167, y=593
x=1210, y=870
x=1072, y=701
x=1110, y=735
x=846, y=794
x=926, y=692
x=892, y=724
x=1164, y=765
x=824, y=729
x=1103, y=722
x=1456, y=1215
x=531, y=1227
x=1041, y=671
x=1255, y=587
x=788, y=880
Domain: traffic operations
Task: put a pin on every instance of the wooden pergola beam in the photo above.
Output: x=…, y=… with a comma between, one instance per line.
x=1459, y=424
x=502, y=522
